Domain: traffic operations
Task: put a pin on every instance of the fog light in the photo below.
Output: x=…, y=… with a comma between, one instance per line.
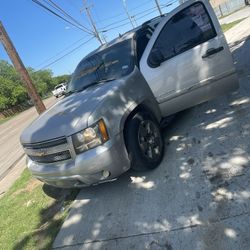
x=105, y=174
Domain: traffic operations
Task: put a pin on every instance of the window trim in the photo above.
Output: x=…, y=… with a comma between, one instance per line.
x=212, y=24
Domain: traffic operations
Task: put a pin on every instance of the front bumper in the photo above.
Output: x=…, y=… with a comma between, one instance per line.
x=86, y=169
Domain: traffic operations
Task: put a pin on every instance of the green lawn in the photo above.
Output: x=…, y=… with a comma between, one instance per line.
x=29, y=219
x=228, y=26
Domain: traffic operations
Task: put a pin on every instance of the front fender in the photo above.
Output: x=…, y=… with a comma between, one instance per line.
x=124, y=96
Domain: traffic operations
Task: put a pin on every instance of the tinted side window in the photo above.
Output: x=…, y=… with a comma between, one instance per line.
x=185, y=30
x=142, y=40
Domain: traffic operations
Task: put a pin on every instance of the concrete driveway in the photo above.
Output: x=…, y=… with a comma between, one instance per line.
x=198, y=198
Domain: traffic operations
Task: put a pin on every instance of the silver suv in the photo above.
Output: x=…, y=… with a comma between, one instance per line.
x=109, y=120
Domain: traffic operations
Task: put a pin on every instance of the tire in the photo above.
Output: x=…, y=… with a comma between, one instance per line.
x=144, y=142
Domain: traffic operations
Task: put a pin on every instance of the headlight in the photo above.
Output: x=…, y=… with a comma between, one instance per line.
x=90, y=137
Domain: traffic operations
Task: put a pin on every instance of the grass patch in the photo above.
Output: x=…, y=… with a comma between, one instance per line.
x=228, y=26
x=29, y=219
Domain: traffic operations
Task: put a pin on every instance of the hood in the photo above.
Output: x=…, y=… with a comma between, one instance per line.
x=69, y=115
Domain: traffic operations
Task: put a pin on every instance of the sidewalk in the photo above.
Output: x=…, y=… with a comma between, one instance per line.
x=239, y=32
x=243, y=13
x=12, y=175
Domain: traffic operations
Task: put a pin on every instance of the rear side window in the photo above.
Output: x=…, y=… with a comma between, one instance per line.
x=187, y=29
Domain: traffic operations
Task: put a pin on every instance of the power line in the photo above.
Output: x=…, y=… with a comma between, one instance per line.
x=116, y=27
x=154, y=9
x=70, y=52
x=147, y=14
x=158, y=7
x=122, y=20
x=57, y=54
x=126, y=10
x=127, y=18
x=111, y=17
x=142, y=12
x=163, y=5
x=96, y=33
x=59, y=16
x=122, y=13
x=139, y=6
x=57, y=7
x=167, y=4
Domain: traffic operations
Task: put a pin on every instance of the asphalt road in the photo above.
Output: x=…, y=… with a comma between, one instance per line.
x=198, y=198
x=10, y=148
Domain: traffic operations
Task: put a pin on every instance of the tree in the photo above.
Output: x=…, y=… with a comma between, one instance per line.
x=60, y=79
x=12, y=92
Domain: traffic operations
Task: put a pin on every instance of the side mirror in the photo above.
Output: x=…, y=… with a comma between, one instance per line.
x=155, y=58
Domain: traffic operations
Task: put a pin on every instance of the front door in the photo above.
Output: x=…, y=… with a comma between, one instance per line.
x=192, y=52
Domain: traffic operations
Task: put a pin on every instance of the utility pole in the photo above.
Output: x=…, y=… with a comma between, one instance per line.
x=97, y=35
x=158, y=7
x=133, y=18
x=126, y=10
x=20, y=68
x=103, y=37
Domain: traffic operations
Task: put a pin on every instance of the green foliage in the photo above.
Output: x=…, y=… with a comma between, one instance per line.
x=60, y=79
x=12, y=91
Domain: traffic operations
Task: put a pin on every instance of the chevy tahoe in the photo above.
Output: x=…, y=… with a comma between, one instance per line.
x=109, y=120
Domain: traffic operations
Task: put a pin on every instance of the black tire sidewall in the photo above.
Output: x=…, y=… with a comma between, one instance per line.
x=139, y=162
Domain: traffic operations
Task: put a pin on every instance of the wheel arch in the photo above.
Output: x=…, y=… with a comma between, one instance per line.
x=145, y=106
x=138, y=162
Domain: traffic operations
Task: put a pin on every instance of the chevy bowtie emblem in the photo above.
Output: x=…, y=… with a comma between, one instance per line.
x=39, y=153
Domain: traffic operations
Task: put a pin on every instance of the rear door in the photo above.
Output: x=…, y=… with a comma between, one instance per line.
x=193, y=54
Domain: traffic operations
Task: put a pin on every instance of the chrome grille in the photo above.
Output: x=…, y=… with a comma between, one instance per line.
x=46, y=144
x=61, y=156
x=48, y=151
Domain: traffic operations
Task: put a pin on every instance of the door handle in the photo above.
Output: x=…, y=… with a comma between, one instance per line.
x=212, y=51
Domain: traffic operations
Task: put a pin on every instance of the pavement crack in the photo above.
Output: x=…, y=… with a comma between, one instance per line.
x=152, y=233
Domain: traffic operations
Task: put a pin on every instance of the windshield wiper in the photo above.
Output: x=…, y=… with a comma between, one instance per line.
x=106, y=80
x=89, y=85
x=94, y=83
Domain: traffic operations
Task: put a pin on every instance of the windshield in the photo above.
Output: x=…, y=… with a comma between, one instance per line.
x=58, y=86
x=109, y=64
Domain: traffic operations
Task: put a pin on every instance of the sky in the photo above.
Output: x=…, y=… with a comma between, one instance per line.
x=45, y=41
